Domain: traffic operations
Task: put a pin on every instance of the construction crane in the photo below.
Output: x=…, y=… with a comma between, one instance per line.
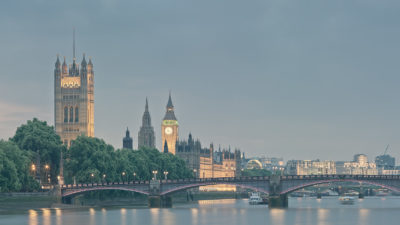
x=387, y=147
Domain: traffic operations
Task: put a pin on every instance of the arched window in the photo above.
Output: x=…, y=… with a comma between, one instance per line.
x=65, y=114
x=71, y=114
x=76, y=114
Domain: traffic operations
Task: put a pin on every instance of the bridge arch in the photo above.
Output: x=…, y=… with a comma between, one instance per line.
x=194, y=185
x=71, y=193
x=312, y=183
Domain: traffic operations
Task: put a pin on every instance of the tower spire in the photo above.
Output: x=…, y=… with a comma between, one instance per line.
x=170, y=105
x=73, y=43
x=147, y=106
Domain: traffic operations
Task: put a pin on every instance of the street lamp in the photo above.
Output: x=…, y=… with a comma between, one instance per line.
x=104, y=178
x=92, y=177
x=195, y=173
x=165, y=174
x=33, y=168
x=47, y=168
x=123, y=177
x=155, y=174
x=134, y=176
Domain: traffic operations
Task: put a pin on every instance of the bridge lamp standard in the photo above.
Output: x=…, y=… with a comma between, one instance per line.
x=165, y=175
x=92, y=177
x=281, y=169
x=275, y=168
x=155, y=174
x=195, y=173
x=104, y=178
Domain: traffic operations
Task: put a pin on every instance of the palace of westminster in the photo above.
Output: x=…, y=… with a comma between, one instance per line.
x=74, y=116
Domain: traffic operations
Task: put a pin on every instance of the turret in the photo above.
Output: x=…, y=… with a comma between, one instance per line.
x=57, y=64
x=57, y=72
x=64, y=68
x=90, y=65
x=74, y=69
x=83, y=64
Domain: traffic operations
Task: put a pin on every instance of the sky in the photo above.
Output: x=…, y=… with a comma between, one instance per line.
x=280, y=78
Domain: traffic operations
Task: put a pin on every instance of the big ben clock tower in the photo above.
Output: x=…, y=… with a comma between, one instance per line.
x=169, y=128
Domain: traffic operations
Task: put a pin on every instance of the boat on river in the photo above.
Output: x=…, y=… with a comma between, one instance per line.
x=255, y=199
x=346, y=200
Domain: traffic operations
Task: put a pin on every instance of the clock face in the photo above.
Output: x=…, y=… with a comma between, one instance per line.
x=168, y=130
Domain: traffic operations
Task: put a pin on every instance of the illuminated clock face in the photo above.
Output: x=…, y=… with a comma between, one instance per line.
x=168, y=130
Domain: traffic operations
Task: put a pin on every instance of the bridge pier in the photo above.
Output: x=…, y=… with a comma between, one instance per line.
x=157, y=201
x=278, y=201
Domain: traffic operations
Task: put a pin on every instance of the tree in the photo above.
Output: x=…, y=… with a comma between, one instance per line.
x=88, y=156
x=40, y=139
x=14, y=169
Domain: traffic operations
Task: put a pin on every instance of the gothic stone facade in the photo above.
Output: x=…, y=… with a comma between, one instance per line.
x=74, y=99
x=146, y=137
x=169, y=129
x=207, y=163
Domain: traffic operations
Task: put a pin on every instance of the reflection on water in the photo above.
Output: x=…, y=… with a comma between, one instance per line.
x=322, y=216
x=154, y=215
x=58, y=216
x=327, y=211
x=46, y=214
x=123, y=216
x=277, y=215
x=33, y=217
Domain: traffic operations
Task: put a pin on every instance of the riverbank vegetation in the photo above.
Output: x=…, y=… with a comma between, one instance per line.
x=34, y=153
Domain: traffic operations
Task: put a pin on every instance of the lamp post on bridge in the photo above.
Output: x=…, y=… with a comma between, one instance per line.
x=104, y=178
x=134, y=176
x=155, y=174
x=282, y=169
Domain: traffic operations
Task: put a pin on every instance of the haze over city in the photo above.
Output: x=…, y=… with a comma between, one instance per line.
x=292, y=79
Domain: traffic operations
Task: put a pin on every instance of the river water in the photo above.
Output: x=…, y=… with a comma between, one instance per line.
x=326, y=211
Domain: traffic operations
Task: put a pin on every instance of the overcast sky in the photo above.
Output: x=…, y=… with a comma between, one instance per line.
x=297, y=79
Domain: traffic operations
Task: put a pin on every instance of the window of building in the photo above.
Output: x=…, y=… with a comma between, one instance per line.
x=71, y=114
x=65, y=114
x=76, y=114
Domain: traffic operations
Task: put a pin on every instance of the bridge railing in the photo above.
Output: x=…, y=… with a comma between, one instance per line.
x=238, y=179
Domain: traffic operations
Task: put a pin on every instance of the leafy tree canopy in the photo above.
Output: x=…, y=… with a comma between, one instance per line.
x=40, y=139
x=14, y=169
x=88, y=156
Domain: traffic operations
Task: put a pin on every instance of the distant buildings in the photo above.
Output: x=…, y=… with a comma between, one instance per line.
x=385, y=161
x=310, y=167
x=359, y=166
x=207, y=163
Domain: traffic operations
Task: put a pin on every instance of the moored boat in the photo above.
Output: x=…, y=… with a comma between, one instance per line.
x=255, y=199
x=346, y=200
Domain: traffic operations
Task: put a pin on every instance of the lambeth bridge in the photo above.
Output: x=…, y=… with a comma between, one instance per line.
x=275, y=186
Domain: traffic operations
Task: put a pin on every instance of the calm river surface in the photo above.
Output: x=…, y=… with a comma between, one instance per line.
x=371, y=210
